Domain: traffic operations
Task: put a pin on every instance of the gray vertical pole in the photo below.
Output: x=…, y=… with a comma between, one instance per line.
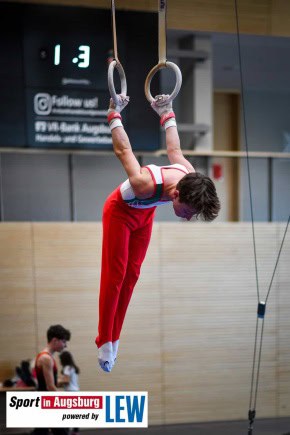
x=270, y=189
x=186, y=95
x=1, y=193
x=203, y=92
x=71, y=187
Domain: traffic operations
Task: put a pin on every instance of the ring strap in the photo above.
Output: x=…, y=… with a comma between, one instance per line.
x=115, y=47
x=115, y=64
x=162, y=62
x=162, y=32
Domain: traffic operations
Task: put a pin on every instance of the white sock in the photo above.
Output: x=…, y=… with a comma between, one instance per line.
x=106, y=356
x=115, y=345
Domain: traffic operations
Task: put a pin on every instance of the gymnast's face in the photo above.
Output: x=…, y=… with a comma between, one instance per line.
x=180, y=209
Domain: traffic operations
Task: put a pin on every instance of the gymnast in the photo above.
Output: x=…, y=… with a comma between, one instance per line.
x=128, y=217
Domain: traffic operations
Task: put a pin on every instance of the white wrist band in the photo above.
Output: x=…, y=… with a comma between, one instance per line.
x=115, y=123
x=170, y=123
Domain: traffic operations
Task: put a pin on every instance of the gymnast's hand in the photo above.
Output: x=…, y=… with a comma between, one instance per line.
x=161, y=105
x=122, y=103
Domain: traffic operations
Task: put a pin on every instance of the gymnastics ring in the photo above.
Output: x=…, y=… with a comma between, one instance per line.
x=115, y=64
x=156, y=68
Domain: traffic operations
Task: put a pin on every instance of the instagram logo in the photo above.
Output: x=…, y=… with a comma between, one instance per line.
x=42, y=104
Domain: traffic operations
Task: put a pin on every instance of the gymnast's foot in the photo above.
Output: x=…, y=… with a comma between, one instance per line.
x=115, y=346
x=106, y=356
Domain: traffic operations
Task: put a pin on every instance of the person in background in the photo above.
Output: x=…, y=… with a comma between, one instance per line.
x=70, y=376
x=70, y=372
x=46, y=368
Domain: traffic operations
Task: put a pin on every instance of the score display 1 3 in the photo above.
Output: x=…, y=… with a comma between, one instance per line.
x=82, y=58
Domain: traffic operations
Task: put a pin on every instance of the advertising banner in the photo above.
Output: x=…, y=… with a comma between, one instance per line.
x=80, y=409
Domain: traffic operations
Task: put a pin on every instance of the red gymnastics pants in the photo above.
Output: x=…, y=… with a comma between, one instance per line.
x=126, y=236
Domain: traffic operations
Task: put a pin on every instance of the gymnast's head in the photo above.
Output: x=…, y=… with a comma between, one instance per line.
x=195, y=195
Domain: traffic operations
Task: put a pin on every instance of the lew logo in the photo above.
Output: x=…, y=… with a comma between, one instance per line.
x=125, y=409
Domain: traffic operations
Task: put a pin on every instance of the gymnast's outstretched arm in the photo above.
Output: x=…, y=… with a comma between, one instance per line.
x=167, y=120
x=122, y=146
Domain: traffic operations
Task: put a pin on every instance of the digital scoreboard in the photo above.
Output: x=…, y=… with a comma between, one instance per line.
x=53, y=76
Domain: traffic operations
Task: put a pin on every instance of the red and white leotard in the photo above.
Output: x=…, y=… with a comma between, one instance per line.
x=127, y=227
x=156, y=172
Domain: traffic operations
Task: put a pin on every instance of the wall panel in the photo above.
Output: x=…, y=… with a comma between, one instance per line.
x=189, y=332
x=35, y=187
x=283, y=324
x=68, y=259
x=17, y=293
x=67, y=274
x=214, y=295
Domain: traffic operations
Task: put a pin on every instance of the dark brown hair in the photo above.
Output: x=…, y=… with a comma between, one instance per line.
x=57, y=331
x=198, y=191
x=66, y=359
